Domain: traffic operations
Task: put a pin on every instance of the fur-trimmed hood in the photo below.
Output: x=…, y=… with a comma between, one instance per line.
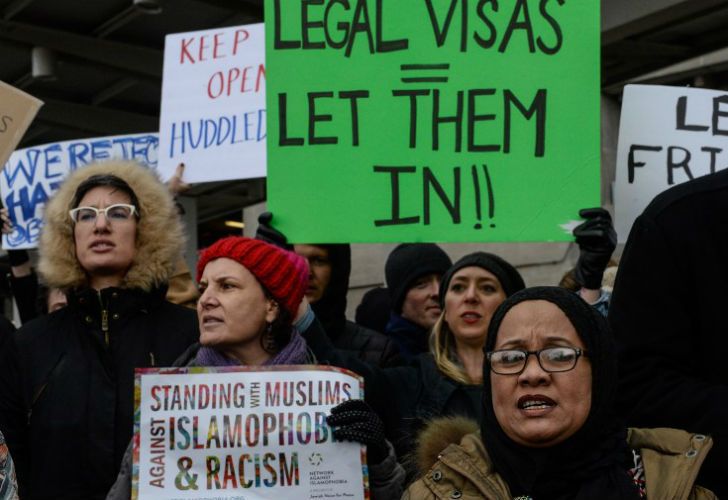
x=159, y=240
x=436, y=436
x=451, y=456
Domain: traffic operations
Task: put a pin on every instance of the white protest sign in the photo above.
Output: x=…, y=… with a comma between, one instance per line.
x=667, y=136
x=249, y=433
x=17, y=110
x=213, y=104
x=32, y=175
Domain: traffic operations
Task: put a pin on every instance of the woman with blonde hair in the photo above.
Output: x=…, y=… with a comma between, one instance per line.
x=458, y=337
x=110, y=240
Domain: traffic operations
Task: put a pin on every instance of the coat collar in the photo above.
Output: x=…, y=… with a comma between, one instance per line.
x=672, y=458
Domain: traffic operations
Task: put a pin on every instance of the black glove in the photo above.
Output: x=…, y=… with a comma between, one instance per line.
x=354, y=420
x=597, y=239
x=269, y=234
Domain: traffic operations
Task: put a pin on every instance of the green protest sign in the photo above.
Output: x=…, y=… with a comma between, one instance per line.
x=431, y=120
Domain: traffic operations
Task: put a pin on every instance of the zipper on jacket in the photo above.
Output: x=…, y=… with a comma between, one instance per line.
x=104, y=320
x=105, y=325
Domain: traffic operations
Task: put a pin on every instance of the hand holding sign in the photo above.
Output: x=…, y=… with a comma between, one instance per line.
x=175, y=184
x=354, y=420
x=597, y=240
x=7, y=223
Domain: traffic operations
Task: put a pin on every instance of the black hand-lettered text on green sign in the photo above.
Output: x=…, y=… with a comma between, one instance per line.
x=431, y=120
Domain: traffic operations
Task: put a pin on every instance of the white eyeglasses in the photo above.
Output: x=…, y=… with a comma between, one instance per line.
x=113, y=213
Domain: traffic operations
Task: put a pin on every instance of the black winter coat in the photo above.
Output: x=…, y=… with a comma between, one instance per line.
x=411, y=339
x=367, y=345
x=405, y=397
x=67, y=386
x=668, y=313
x=25, y=292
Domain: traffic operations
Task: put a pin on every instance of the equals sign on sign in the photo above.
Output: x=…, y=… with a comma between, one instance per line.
x=423, y=73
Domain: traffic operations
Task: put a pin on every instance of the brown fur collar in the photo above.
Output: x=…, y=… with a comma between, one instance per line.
x=160, y=237
x=438, y=435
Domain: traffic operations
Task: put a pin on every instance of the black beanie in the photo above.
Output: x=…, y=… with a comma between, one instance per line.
x=508, y=276
x=407, y=263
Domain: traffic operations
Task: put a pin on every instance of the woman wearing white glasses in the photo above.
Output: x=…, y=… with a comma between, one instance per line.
x=110, y=241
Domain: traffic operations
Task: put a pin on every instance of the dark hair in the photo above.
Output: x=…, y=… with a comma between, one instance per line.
x=107, y=180
x=41, y=305
x=279, y=334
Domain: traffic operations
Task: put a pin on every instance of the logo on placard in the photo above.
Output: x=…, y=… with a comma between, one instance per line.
x=315, y=459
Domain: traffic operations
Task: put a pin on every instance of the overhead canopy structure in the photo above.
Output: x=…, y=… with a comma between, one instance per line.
x=98, y=64
x=670, y=42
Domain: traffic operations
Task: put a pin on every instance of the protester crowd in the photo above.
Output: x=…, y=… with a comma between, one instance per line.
x=476, y=385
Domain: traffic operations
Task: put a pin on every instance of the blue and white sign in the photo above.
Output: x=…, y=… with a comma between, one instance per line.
x=32, y=175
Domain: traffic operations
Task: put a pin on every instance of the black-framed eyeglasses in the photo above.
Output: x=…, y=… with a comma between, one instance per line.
x=551, y=359
x=117, y=212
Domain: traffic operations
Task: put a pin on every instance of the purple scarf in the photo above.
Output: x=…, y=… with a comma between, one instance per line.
x=295, y=353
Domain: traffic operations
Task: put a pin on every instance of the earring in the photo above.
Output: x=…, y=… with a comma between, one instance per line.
x=269, y=341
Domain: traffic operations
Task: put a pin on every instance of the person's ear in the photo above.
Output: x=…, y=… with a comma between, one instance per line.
x=272, y=311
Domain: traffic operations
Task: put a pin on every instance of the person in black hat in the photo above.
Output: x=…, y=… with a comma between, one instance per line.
x=373, y=310
x=328, y=284
x=413, y=272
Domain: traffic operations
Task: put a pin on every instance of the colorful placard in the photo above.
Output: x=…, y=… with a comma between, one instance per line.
x=17, y=110
x=424, y=120
x=31, y=176
x=213, y=116
x=667, y=136
x=250, y=433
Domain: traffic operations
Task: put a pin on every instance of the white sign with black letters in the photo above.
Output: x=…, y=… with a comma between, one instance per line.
x=667, y=136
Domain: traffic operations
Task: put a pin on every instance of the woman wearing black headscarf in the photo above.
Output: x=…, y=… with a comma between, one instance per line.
x=549, y=430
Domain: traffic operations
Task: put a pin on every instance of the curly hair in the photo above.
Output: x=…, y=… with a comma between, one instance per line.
x=279, y=334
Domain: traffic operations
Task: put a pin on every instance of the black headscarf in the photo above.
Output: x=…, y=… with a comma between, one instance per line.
x=593, y=463
x=330, y=309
